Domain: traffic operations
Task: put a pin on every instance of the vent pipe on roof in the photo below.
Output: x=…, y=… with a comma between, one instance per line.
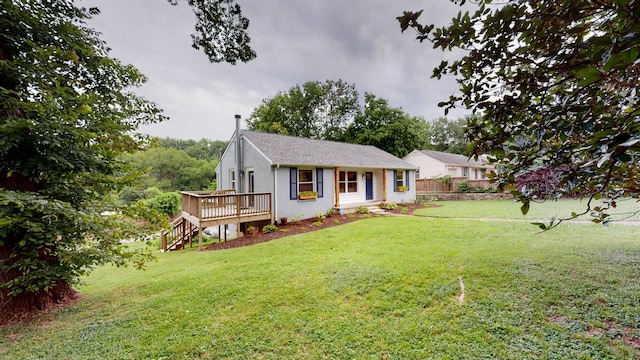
x=238, y=157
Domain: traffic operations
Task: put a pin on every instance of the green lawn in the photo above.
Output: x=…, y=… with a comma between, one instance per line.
x=376, y=288
x=509, y=209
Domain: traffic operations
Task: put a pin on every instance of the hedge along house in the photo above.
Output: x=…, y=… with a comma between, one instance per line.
x=307, y=176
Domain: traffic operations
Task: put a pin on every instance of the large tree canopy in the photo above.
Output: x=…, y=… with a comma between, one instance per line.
x=66, y=116
x=448, y=136
x=387, y=128
x=314, y=110
x=556, y=83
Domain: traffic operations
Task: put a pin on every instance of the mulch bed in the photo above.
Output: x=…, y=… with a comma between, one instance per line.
x=303, y=226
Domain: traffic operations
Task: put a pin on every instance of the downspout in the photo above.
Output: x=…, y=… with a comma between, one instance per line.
x=238, y=157
x=275, y=192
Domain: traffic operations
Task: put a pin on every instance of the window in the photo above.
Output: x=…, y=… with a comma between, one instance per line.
x=401, y=183
x=348, y=182
x=305, y=180
x=399, y=179
x=232, y=179
x=465, y=171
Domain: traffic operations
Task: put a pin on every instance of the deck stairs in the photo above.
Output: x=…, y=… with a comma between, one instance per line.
x=182, y=233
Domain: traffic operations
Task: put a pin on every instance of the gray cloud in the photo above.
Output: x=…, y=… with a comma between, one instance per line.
x=358, y=41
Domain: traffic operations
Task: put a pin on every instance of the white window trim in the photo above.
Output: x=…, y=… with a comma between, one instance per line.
x=232, y=178
x=346, y=182
x=313, y=179
x=400, y=173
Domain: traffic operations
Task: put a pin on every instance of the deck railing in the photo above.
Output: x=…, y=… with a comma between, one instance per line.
x=207, y=205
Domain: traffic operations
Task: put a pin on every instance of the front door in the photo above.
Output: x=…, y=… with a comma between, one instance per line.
x=369, y=185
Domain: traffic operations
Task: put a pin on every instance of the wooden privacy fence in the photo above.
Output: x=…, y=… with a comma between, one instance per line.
x=438, y=185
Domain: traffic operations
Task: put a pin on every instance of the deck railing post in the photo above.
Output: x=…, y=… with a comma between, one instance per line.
x=163, y=241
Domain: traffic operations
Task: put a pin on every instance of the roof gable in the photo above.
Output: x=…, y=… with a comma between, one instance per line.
x=452, y=159
x=297, y=151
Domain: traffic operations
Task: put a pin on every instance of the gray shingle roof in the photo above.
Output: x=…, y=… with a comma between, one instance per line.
x=291, y=150
x=452, y=159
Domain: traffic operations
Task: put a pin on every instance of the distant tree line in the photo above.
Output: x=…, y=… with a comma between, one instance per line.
x=170, y=166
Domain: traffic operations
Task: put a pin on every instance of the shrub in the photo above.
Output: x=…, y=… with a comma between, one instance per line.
x=544, y=183
x=130, y=195
x=317, y=223
x=445, y=181
x=169, y=203
x=362, y=210
x=252, y=230
x=269, y=229
x=321, y=217
x=151, y=192
x=332, y=212
x=464, y=187
x=388, y=206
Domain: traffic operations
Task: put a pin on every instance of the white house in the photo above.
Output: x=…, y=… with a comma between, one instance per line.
x=432, y=164
x=341, y=175
x=267, y=178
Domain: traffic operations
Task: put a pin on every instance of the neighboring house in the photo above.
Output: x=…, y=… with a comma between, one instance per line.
x=337, y=175
x=432, y=164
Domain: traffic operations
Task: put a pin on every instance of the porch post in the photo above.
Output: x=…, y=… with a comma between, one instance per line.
x=336, y=186
x=384, y=185
x=200, y=229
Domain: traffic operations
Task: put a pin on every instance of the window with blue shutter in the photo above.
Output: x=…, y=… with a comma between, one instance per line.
x=293, y=183
x=395, y=180
x=319, y=182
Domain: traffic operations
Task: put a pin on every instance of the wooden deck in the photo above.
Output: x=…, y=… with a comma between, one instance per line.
x=201, y=209
x=212, y=208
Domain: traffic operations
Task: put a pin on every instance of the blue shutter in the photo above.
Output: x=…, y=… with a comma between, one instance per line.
x=293, y=183
x=395, y=180
x=319, y=182
x=406, y=179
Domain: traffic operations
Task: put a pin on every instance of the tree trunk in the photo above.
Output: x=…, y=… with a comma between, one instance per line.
x=23, y=307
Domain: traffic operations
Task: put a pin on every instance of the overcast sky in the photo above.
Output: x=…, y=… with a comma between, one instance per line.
x=358, y=41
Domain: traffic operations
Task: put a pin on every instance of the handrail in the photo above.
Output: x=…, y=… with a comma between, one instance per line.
x=177, y=235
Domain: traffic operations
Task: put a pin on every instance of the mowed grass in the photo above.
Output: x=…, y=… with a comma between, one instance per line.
x=509, y=209
x=380, y=288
